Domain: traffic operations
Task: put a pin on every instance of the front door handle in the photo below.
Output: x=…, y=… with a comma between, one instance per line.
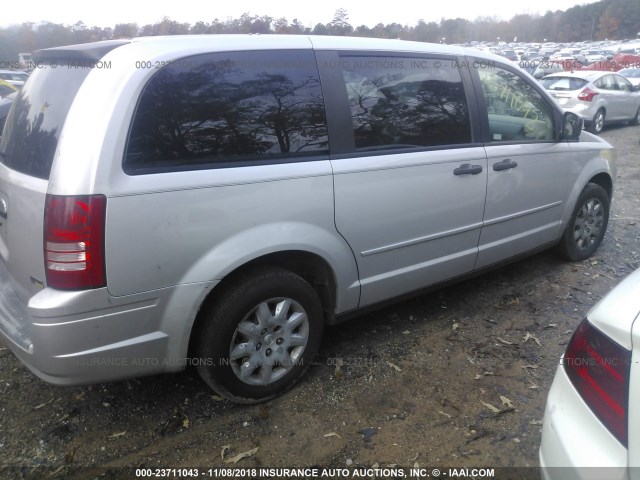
x=467, y=169
x=504, y=165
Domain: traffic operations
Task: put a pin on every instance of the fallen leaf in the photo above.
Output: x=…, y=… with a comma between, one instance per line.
x=56, y=471
x=38, y=407
x=445, y=414
x=506, y=402
x=224, y=451
x=185, y=422
x=394, y=366
x=217, y=398
x=331, y=434
x=528, y=337
x=456, y=326
x=116, y=435
x=406, y=332
x=490, y=407
x=68, y=457
x=506, y=342
x=478, y=376
x=240, y=456
x=534, y=387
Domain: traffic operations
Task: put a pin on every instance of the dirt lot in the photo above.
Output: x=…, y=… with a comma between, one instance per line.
x=411, y=384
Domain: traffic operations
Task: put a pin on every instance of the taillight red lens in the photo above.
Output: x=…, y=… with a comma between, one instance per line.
x=599, y=369
x=587, y=95
x=74, y=241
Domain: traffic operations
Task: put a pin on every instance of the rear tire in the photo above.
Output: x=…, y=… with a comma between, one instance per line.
x=587, y=225
x=597, y=123
x=261, y=335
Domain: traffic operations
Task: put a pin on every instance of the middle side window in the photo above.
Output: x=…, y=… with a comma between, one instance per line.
x=401, y=102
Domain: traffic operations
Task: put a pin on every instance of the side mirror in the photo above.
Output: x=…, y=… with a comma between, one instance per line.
x=636, y=88
x=572, y=126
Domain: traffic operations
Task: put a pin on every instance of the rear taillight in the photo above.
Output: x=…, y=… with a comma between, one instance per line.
x=599, y=369
x=587, y=95
x=74, y=241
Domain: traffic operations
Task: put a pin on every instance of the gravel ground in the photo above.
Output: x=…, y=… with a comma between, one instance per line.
x=454, y=378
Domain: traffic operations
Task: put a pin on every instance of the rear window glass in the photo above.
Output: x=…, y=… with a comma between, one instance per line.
x=225, y=109
x=563, y=83
x=34, y=124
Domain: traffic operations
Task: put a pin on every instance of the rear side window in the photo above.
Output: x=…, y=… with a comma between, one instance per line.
x=33, y=126
x=227, y=109
x=405, y=102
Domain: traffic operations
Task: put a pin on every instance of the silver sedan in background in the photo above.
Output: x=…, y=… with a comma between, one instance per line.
x=598, y=97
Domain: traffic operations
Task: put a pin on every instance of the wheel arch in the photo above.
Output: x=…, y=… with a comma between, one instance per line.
x=311, y=267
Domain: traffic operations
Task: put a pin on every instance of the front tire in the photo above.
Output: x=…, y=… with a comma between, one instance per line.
x=260, y=337
x=587, y=225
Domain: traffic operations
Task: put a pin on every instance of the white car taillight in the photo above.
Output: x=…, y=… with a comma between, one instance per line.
x=599, y=369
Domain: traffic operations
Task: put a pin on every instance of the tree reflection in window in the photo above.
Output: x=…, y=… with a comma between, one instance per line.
x=405, y=102
x=229, y=107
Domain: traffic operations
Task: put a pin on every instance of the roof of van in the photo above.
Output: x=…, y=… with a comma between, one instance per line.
x=196, y=44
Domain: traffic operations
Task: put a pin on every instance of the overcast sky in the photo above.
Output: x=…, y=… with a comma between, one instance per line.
x=405, y=12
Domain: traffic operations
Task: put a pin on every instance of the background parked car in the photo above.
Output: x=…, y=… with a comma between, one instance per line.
x=598, y=97
x=587, y=421
x=547, y=68
x=14, y=77
x=6, y=88
x=631, y=74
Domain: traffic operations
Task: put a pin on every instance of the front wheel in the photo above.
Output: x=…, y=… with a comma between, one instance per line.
x=587, y=224
x=260, y=337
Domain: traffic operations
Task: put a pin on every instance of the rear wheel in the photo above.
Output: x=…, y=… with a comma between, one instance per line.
x=598, y=122
x=261, y=336
x=587, y=225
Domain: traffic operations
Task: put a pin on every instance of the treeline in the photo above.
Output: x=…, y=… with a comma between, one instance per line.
x=607, y=19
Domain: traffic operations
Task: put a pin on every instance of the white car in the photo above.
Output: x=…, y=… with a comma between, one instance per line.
x=588, y=425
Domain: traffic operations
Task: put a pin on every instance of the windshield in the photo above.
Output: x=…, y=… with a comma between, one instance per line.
x=34, y=123
x=563, y=83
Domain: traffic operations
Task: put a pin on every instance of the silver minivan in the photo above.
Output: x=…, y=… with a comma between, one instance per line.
x=215, y=201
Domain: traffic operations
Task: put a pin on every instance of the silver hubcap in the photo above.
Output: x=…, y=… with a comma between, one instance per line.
x=588, y=224
x=599, y=121
x=269, y=341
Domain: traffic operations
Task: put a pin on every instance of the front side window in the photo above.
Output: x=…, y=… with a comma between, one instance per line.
x=516, y=110
x=399, y=102
x=222, y=108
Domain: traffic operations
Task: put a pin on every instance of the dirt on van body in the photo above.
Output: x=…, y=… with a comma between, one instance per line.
x=454, y=378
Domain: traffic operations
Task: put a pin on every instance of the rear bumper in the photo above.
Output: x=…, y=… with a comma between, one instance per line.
x=586, y=110
x=575, y=445
x=69, y=338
